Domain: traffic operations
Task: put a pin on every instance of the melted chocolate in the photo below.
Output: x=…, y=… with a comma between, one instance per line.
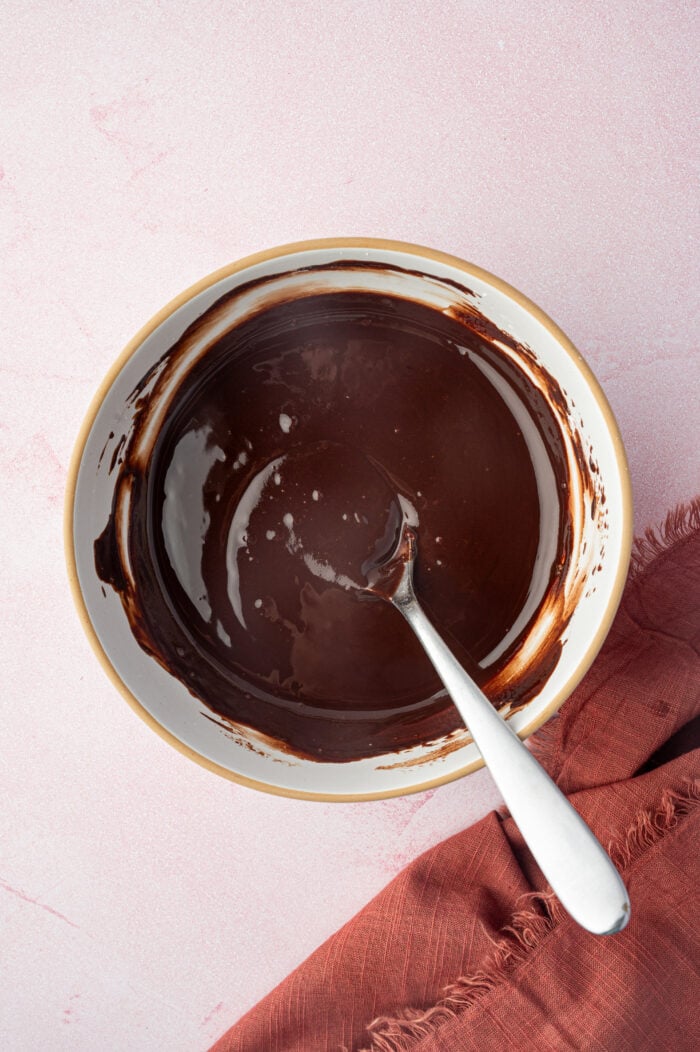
x=278, y=481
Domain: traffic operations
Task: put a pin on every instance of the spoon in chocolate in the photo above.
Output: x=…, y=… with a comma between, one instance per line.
x=570, y=857
x=354, y=531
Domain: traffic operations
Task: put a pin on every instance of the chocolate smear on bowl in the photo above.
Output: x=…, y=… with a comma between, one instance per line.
x=332, y=414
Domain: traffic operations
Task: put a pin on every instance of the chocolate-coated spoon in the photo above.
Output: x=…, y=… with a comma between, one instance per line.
x=572, y=860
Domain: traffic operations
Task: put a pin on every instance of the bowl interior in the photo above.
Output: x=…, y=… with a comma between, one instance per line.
x=601, y=518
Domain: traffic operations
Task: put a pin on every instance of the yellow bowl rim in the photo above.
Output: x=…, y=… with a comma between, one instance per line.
x=343, y=243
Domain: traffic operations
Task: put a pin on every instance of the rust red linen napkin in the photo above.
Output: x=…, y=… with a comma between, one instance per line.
x=467, y=950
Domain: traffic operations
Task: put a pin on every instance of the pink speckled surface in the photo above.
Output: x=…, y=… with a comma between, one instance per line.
x=145, y=903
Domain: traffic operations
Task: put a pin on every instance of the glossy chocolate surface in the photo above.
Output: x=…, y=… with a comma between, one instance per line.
x=279, y=478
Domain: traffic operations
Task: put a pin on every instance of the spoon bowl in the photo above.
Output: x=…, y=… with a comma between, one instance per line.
x=137, y=392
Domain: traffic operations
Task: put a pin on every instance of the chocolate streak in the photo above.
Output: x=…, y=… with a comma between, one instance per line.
x=311, y=419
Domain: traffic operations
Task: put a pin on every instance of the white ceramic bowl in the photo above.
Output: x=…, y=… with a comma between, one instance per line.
x=602, y=528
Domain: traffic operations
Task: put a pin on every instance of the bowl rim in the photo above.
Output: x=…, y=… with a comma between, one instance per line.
x=343, y=243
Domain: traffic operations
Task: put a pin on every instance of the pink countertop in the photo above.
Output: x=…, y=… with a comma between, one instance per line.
x=145, y=903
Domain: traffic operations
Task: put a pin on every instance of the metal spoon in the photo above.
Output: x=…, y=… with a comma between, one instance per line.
x=572, y=860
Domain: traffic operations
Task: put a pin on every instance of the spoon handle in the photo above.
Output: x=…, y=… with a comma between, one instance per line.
x=572, y=860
